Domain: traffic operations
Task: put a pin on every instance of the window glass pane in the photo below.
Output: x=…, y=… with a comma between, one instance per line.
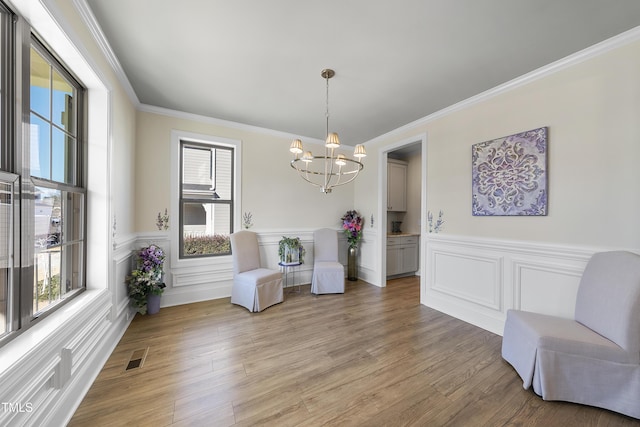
x=206, y=173
x=58, y=262
x=196, y=173
x=63, y=106
x=47, y=270
x=47, y=217
x=222, y=173
x=206, y=228
x=6, y=200
x=40, y=149
x=63, y=157
x=40, y=85
x=73, y=273
x=72, y=215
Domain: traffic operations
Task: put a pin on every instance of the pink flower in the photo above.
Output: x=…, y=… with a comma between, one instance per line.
x=352, y=225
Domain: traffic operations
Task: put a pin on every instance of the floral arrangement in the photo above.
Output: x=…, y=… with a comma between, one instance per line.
x=146, y=279
x=437, y=226
x=163, y=220
x=352, y=225
x=247, y=220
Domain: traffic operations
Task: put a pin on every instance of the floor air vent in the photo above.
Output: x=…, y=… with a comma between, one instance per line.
x=137, y=359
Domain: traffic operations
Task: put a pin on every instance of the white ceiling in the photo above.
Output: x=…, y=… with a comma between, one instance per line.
x=258, y=62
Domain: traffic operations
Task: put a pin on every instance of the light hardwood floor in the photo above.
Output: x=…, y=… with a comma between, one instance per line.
x=371, y=357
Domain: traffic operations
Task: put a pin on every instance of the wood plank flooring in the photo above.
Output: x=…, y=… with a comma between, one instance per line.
x=371, y=357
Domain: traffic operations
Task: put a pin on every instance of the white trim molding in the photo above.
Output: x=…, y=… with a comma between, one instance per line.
x=478, y=280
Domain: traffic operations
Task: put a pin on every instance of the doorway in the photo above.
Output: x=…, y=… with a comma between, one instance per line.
x=407, y=219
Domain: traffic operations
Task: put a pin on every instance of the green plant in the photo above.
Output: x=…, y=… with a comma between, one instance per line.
x=293, y=244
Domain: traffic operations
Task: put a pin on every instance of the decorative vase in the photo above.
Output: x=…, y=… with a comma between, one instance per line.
x=153, y=303
x=352, y=265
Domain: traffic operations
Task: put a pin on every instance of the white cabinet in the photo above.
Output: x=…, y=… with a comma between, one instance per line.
x=396, y=185
x=402, y=255
x=393, y=260
x=410, y=256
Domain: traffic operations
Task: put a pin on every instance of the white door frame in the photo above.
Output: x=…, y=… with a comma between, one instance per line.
x=382, y=207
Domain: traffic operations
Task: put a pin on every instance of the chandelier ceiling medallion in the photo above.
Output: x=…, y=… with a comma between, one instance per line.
x=332, y=169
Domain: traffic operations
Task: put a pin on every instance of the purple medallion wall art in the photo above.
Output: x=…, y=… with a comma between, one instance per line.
x=509, y=175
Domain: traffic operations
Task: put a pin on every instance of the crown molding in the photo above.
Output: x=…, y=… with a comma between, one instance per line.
x=90, y=21
x=220, y=122
x=594, y=51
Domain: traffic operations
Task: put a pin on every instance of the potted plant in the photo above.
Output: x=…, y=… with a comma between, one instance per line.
x=290, y=251
x=145, y=284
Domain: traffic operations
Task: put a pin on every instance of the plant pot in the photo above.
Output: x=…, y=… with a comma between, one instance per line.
x=153, y=303
x=352, y=264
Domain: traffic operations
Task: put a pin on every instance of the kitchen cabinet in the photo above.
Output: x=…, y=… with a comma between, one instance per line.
x=402, y=255
x=396, y=185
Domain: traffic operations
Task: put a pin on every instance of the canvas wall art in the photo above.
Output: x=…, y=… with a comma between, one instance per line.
x=509, y=175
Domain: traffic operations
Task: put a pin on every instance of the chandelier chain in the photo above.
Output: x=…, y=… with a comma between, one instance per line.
x=327, y=104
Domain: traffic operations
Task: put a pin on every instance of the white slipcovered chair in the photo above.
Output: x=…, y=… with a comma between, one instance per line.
x=254, y=287
x=594, y=359
x=328, y=273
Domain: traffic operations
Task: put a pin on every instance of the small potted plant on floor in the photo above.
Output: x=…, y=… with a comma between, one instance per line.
x=145, y=284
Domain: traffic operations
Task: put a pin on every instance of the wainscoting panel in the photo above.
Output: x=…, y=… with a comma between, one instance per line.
x=478, y=280
x=121, y=265
x=213, y=278
x=534, y=283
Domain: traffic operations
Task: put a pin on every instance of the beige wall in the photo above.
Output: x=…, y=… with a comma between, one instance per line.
x=121, y=128
x=271, y=190
x=591, y=110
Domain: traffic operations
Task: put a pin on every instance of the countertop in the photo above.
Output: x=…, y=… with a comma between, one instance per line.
x=401, y=234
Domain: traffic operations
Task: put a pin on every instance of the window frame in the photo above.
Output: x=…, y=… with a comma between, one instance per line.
x=205, y=261
x=15, y=83
x=78, y=170
x=187, y=143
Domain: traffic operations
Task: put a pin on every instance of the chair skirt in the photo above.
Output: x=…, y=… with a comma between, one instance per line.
x=328, y=278
x=257, y=289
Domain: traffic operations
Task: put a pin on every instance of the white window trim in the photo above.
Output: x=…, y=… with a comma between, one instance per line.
x=176, y=137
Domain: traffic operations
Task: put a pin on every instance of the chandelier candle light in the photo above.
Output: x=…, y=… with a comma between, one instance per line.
x=332, y=169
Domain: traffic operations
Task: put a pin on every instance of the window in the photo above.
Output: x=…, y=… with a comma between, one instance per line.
x=206, y=198
x=42, y=178
x=55, y=169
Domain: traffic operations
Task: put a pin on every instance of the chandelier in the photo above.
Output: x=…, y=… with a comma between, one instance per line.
x=332, y=169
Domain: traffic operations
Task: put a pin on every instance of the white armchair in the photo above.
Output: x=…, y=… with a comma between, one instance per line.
x=594, y=359
x=254, y=287
x=328, y=273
